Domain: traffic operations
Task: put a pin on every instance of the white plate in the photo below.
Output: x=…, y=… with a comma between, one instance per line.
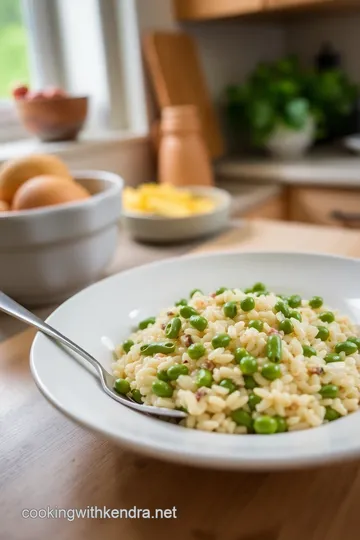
x=112, y=306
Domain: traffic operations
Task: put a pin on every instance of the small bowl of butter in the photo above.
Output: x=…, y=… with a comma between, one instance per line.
x=163, y=213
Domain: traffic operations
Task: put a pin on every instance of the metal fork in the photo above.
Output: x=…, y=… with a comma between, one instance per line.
x=9, y=306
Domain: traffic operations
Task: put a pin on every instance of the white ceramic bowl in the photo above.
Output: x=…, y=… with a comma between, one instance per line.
x=47, y=254
x=112, y=306
x=153, y=228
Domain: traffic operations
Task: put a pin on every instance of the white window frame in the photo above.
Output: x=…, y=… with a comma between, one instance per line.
x=39, y=17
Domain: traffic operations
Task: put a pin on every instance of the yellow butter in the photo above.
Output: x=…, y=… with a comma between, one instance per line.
x=165, y=200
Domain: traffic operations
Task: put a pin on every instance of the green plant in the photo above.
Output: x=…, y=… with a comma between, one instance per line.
x=332, y=97
x=283, y=93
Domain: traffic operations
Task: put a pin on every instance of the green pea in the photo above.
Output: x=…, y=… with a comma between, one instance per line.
x=253, y=401
x=229, y=384
x=198, y=322
x=146, y=322
x=281, y=426
x=308, y=351
x=283, y=307
x=248, y=290
x=295, y=315
x=257, y=324
x=348, y=347
x=127, y=345
x=247, y=304
x=173, y=328
x=176, y=370
x=323, y=333
x=250, y=382
x=265, y=425
x=329, y=391
x=316, y=302
x=248, y=365
x=187, y=311
x=332, y=357
x=230, y=310
x=162, y=389
x=220, y=340
x=355, y=340
x=122, y=386
x=274, y=348
x=294, y=301
x=196, y=351
x=271, y=371
x=286, y=326
x=239, y=353
x=181, y=302
x=331, y=414
x=259, y=287
x=150, y=349
x=221, y=290
x=261, y=293
x=327, y=316
x=242, y=418
x=204, y=378
x=162, y=375
x=136, y=395
x=195, y=291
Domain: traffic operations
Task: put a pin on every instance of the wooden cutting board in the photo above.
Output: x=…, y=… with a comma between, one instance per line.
x=46, y=460
x=178, y=79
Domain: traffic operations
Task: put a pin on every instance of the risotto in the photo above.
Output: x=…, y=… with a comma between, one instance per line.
x=244, y=362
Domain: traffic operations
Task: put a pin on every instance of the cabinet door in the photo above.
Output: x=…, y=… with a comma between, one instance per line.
x=215, y=9
x=325, y=206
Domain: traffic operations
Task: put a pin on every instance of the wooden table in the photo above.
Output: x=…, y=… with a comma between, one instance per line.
x=45, y=460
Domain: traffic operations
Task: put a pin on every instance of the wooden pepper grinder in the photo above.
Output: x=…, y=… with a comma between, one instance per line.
x=183, y=156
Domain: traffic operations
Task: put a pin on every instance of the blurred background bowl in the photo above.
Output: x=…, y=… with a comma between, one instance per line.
x=49, y=253
x=153, y=228
x=56, y=119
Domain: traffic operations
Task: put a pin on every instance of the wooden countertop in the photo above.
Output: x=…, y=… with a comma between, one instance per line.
x=47, y=461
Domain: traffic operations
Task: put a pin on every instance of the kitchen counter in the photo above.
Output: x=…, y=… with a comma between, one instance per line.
x=325, y=168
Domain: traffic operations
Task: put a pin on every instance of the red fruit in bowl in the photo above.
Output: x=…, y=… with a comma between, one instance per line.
x=20, y=92
x=54, y=92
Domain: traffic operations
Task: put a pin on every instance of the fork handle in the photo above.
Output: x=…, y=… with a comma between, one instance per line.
x=9, y=306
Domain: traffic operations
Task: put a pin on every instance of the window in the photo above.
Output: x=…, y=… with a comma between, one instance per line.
x=87, y=47
x=14, y=61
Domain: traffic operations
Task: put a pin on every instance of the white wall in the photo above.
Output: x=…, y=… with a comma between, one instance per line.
x=155, y=15
x=231, y=49
x=305, y=36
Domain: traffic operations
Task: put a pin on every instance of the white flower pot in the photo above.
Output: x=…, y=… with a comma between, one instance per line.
x=288, y=144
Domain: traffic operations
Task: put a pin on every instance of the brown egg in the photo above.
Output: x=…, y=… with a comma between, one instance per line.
x=4, y=206
x=47, y=190
x=17, y=171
